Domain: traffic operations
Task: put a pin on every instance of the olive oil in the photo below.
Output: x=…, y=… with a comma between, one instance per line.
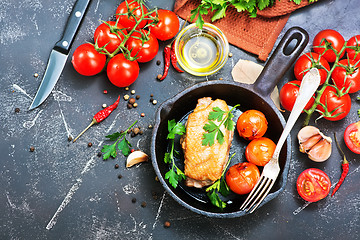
x=200, y=53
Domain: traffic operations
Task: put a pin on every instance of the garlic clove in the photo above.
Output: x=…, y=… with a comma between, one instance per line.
x=135, y=158
x=320, y=151
x=309, y=143
x=306, y=132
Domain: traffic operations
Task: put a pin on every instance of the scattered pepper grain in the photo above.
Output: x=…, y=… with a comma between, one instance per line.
x=150, y=126
x=142, y=114
x=132, y=92
x=89, y=144
x=132, y=100
x=104, y=105
x=135, y=105
x=17, y=110
x=99, y=154
x=156, y=178
x=36, y=75
x=159, y=76
x=220, y=78
x=105, y=91
x=137, y=97
x=167, y=224
x=158, y=62
x=129, y=106
x=119, y=176
x=126, y=97
x=141, y=132
x=151, y=95
x=154, y=102
x=151, y=99
x=133, y=200
x=230, y=54
x=116, y=166
x=143, y=204
x=129, y=131
x=70, y=138
x=32, y=149
x=136, y=130
x=127, y=88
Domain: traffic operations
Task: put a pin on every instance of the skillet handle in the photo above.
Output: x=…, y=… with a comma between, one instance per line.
x=285, y=54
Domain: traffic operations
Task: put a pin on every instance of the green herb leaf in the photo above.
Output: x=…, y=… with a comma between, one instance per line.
x=109, y=150
x=216, y=114
x=114, y=136
x=178, y=129
x=124, y=146
x=208, y=138
x=215, y=199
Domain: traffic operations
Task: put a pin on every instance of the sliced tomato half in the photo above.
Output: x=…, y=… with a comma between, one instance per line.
x=313, y=185
x=352, y=137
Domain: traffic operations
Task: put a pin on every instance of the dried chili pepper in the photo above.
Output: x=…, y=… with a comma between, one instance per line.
x=167, y=53
x=100, y=116
x=345, y=169
x=174, y=59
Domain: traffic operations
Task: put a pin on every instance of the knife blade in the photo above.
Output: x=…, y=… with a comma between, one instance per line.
x=59, y=53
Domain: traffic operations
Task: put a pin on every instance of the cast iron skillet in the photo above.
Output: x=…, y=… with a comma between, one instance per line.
x=255, y=96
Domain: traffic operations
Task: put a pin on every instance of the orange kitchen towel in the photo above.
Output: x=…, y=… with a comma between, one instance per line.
x=255, y=35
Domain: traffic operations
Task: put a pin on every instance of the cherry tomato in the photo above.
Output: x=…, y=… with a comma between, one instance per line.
x=260, y=150
x=313, y=185
x=332, y=38
x=87, y=61
x=352, y=137
x=105, y=34
x=288, y=94
x=126, y=16
x=338, y=104
x=251, y=124
x=311, y=60
x=167, y=26
x=242, y=177
x=348, y=76
x=144, y=51
x=122, y=72
x=354, y=53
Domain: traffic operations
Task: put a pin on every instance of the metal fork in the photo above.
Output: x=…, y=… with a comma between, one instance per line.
x=308, y=86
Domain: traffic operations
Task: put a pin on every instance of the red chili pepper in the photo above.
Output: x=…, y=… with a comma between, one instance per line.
x=100, y=116
x=345, y=169
x=167, y=53
x=174, y=59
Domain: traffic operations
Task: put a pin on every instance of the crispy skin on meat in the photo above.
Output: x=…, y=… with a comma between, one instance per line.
x=204, y=164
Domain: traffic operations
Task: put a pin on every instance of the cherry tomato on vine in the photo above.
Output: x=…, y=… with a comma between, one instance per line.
x=105, y=34
x=288, y=94
x=313, y=184
x=311, y=60
x=338, y=104
x=354, y=53
x=260, y=150
x=242, y=177
x=332, y=38
x=126, y=16
x=87, y=61
x=251, y=124
x=352, y=137
x=167, y=27
x=121, y=71
x=144, y=51
x=348, y=76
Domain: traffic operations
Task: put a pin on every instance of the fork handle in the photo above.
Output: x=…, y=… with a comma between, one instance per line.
x=308, y=86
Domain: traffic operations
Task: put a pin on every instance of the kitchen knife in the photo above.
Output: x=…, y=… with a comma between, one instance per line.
x=60, y=53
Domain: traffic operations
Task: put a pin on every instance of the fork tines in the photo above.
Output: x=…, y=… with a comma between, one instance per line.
x=259, y=192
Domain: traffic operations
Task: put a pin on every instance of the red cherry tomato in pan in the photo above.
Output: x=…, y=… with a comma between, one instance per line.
x=167, y=27
x=144, y=51
x=329, y=37
x=348, y=76
x=122, y=72
x=352, y=137
x=311, y=60
x=260, y=150
x=354, y=53
x=288, y=94
x=127, y=20
x=87, y=61
x=251, y=124
x=313, y=185
x=337, y=106
x=242, y=177
x=107, y=35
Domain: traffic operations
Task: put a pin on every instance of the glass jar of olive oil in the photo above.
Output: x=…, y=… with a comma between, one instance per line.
x=203, y=51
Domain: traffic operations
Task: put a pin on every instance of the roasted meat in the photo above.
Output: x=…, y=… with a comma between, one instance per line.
x=204, y=164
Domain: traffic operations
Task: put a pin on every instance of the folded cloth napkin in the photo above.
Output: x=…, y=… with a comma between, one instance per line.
x=255, y=35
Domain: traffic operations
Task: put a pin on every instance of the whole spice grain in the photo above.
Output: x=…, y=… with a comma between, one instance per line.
x=36, y=75
x=129, y=106
x=154, y=102
x=132, y=92
x=151, y=95
x=137, y=97
x=126, y=97
x=105, y=91
x=89, y=144
x=132, y=100
x=159, y=76
x=99, y=154
x=133, y=200
x=100, y=116
x=158, y=62
x=116, y=166
x=167, y=224
x=32, y=149
x=119, y=176
x=70, y=138
x=143, y=204
x=136, y=130
x=104, y=105
x=135, y=105
x=127, y=88
x=142, y=114
x=17, y=110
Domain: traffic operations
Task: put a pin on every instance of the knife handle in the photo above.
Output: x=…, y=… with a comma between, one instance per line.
x=72, y=26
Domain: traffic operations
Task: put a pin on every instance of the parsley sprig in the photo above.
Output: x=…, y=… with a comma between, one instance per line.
x=121, y=144
x=213, y=130
x=217, y=187
x=219, y=8
x=174, y=175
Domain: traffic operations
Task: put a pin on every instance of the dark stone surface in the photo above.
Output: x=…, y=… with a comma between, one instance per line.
x=63, y=190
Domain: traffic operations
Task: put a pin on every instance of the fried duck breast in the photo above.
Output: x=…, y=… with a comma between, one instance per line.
x=204, y=164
